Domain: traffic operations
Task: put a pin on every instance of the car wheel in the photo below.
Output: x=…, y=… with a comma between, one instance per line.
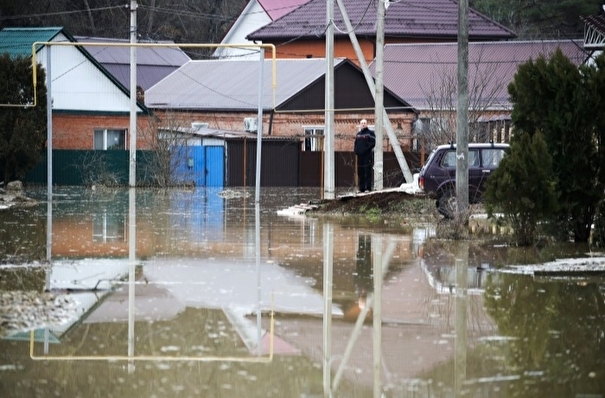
x=447, y=204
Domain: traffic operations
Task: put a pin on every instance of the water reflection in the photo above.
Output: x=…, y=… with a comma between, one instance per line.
x=198, y=293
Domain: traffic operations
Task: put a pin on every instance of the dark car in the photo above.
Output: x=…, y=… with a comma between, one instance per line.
x=438, y=176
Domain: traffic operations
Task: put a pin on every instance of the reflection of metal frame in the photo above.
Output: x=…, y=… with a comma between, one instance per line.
x=258, y=359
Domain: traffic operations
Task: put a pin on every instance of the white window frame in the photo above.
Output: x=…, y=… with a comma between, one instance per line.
x=105, y=144
x=313, y=138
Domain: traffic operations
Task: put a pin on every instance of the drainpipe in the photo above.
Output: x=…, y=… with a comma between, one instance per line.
x=271, y=122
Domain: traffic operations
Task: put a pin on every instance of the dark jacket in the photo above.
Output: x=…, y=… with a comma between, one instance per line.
x=365, y=140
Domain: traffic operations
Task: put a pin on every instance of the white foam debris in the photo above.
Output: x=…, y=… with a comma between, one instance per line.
x=588, y=264
x=296, y=210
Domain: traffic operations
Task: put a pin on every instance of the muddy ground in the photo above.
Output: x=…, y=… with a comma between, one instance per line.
x=378, y=203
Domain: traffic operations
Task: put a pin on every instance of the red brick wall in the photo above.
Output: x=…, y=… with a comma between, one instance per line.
x=292, y=125
x=317, y=49
x=76, y=131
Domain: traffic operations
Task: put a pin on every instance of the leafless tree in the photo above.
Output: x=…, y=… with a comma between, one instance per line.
x=441, y=94
x=167, y=163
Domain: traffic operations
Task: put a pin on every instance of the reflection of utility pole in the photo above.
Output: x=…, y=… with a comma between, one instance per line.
x=461, y=313
x=328, y=246
x=377, y=319
x=462, y=111
x=132, y=256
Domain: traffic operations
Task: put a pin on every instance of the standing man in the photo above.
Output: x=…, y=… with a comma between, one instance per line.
x=365, y=140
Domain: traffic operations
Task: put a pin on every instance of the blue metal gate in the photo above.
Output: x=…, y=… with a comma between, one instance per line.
x=214, y=163
x=205, y=166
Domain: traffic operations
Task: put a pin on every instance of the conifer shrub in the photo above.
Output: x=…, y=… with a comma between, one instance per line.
x=522, y=188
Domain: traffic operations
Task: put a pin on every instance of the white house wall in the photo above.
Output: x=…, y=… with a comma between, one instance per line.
x=77, y=83
x=252, y=18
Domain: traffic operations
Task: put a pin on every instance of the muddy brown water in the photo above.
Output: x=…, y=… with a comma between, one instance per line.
x=203, y=293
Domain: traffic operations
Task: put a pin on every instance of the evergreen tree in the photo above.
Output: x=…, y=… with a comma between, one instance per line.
x=540, y=19
x=523, y=187
x=561, y=100
x=22, y=126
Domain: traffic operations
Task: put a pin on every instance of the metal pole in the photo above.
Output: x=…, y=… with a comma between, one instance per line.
x=379, y=98
x=49, y=158
x=132, y=175
x=259, y=124
x=462, y=111
x=329, y=92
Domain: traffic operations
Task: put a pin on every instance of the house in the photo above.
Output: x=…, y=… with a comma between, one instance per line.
x=153, y=63
x=91, y=108
x=224, y=94
x=425, y=76
x=255, y=15
x=301, y=33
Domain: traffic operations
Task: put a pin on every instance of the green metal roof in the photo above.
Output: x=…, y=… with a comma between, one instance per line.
x=17, y=42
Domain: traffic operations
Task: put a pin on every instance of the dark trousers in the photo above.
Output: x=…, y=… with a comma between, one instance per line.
x=365, y=172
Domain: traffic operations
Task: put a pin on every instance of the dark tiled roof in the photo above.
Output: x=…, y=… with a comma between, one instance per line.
x=413, y=71
x=414, y=19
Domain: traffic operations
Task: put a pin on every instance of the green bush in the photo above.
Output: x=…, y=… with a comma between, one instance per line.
x=522, y=188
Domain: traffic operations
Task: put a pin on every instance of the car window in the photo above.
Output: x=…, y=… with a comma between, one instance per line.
x=492, y=157
x=449, y=159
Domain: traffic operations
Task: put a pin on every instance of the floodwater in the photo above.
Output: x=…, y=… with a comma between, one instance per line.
x=202, y=293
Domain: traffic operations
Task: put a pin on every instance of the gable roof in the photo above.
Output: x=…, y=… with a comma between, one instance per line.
x=256, y=13
x=232, y=85
x=413, y=19
x=79, y=82
x=17, y=42
x=278, y=8
x=153, y=63
x=412, y=71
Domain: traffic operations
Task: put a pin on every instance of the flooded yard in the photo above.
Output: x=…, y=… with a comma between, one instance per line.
x=147, y=293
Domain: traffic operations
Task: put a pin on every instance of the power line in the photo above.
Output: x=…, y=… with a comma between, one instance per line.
x=60, y=13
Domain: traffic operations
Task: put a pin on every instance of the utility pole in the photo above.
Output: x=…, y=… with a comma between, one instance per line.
x=132, y=175
x=407, y=174
x=462, y=111
x=329, y=104
x=379, y=98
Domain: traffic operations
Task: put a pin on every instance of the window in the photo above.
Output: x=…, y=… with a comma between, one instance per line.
x=449, y=159
x=492, y=157
x=108, y=227
x=314, y=138
x=106, y=139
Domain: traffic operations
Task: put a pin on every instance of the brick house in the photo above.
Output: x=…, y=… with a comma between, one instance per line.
x=91, y=108
x=301, y=32
x=224, y=94
x=425, y=76
x=255, y=15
